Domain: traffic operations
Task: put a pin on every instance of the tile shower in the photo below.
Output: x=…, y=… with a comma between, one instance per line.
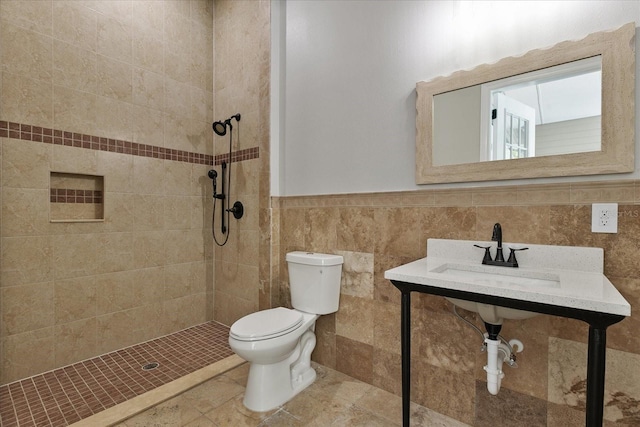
x=122, y=91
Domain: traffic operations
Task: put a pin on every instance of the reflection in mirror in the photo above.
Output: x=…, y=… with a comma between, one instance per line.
x=566, y=110
x=542, y=113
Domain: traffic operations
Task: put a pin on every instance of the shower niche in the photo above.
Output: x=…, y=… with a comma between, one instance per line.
x=76, y=197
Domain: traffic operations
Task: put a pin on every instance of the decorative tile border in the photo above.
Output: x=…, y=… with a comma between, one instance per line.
x=238, y=156
x=67, y=195
x=27, y=132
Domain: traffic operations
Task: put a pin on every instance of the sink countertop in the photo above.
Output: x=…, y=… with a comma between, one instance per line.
x=579, y=271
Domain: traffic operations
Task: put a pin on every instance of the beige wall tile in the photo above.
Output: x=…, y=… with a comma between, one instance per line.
x=123, y=328
x=73, y=110
x=73, y=67
x=71, y=160
x=183, y=246
x=357, y=274
x=148, y=51
x=148, y=175
x=25, y=212
x=113, y=118
x=75, y=341
x=148, y=89
x=26, y=308
x=25, y=164
x=26, y=53
x=114, y=252
x=119, y=212
x=148, y=212
x=20, y=361
x=114, y=292
x=177, y=178
x=229, y=308
x=26, y=100
x=74, y=255
x=355, y=319
x=147, y=125
x=177, y=212
x=76, y=24
x=117, y=171
x=26, y=260
x=115, y=37
x=148, y=249
x=75, y=299
x=180, y=313
x=31, y=15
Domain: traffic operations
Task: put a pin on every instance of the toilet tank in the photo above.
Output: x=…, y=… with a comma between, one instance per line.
x=314, y=280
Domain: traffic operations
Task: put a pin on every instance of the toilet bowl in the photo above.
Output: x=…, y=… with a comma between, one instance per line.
x=278, y=342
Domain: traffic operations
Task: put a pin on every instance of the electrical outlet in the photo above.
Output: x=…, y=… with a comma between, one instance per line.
x=604, y=218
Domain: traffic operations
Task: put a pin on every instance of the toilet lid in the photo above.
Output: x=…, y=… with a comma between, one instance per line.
x=266, y=324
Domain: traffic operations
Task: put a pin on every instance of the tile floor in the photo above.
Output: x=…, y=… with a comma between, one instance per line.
x=334, y=399
x=67, y=395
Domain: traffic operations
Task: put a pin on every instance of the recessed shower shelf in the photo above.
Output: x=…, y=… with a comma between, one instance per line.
x=76, y=197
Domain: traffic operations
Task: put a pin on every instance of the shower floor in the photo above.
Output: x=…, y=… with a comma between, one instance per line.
x=69, y=394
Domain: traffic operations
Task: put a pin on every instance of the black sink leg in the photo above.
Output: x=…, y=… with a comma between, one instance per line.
x=405, y=336
x=595, y=375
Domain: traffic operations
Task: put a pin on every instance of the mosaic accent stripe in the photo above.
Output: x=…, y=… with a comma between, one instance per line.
x=66, y=395
x=67, y=195
x=28, y=132
x=238, y=156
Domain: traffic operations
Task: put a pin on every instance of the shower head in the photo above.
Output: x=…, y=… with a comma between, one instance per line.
x=220, y=127
x=213, y=174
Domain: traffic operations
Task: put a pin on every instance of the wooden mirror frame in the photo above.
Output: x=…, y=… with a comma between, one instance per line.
x=617, y=49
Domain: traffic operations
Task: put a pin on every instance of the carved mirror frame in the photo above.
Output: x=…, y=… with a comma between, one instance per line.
x=617, y=49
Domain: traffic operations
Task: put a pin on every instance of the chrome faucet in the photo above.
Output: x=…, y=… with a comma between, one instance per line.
x=499, y=259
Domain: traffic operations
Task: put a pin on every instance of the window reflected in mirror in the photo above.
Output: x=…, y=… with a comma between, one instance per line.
x=542, y=113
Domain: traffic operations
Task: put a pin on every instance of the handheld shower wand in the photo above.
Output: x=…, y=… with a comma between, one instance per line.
x=220, y=128
x=213, y=175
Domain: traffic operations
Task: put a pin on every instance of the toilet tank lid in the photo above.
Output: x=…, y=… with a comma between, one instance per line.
x=313, y=258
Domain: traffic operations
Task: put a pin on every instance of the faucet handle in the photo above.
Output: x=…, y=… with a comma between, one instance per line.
x=512, y=255
x=487, y=254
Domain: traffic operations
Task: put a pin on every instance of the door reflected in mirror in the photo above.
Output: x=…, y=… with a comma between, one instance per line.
x=546, y=112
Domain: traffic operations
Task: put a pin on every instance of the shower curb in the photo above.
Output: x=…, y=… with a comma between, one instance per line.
x=119, y=413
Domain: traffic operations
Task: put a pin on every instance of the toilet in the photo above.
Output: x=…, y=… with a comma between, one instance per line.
x=278, y=342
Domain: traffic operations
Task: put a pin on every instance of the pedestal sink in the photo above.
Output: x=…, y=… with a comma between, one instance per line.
x=496, y=276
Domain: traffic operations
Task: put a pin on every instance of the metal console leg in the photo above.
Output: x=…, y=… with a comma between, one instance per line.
x=405, y=335
x=595, y=375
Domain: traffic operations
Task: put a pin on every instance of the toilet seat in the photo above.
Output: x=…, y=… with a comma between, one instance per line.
x=266, y=324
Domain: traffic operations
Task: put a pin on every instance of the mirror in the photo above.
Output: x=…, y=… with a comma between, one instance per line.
x=563, y=111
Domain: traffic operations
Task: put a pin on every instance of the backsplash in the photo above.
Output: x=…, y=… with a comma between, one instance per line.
x=381, y=231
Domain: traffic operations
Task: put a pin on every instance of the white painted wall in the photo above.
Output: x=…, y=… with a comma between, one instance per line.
x=347, y=72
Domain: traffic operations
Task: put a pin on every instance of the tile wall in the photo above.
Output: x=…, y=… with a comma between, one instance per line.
x=242, y=75
x=122, y=90
x=378, y=231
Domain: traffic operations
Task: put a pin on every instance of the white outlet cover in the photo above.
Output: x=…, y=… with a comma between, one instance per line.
x=604, y=218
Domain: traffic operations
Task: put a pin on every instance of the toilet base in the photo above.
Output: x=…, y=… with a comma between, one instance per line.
x=272, y=385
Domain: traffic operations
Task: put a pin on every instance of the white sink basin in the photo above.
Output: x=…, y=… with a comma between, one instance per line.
x=496, y=276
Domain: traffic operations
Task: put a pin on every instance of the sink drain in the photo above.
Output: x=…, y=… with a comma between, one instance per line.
x=150, y=366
